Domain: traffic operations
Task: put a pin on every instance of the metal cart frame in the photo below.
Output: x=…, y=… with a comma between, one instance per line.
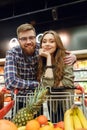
x=53, y=107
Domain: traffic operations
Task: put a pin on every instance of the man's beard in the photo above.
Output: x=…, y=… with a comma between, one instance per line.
x=29, y=51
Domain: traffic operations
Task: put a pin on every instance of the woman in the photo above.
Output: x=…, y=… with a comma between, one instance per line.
x=52, y=69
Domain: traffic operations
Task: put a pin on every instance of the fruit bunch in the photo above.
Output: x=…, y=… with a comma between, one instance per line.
x=33, y=105
x=42, y=123
x=74, y=119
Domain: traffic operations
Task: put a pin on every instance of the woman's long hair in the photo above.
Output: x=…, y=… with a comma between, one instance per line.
x=58, y=59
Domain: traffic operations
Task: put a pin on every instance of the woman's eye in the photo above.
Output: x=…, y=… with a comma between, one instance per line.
x=43, y=41
x=51, y=41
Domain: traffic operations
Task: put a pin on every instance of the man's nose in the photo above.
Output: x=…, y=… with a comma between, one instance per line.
x=28, y=40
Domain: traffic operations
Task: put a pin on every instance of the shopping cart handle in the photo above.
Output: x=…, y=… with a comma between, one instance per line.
x=61, y=88
x=16, y=91
x=80, y=88
x=65, y=88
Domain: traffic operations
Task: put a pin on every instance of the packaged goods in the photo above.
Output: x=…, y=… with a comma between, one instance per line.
x=1, y=100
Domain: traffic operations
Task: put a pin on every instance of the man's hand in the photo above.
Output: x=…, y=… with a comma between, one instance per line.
x=70, y=58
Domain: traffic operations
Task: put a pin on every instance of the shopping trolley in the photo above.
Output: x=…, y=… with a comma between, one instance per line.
x=7, y=109
x=55, y=104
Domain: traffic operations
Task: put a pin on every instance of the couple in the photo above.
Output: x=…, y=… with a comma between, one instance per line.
x=28, y=63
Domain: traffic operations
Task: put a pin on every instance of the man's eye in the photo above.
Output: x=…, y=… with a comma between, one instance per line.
x=23, y=38
x=26, y=38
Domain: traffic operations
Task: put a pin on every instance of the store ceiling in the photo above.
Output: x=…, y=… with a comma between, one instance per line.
x=64, y=8
x=39, y=12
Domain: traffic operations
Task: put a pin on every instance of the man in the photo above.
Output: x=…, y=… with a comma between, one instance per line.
x=21, y=61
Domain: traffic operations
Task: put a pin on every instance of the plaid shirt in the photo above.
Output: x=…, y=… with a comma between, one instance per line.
x=20, y=70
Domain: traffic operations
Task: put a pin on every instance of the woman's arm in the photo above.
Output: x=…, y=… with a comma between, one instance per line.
x=68, y=76
x=48, y=71
x=47, y=78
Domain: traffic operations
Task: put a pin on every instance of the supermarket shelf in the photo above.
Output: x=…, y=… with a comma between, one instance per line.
x=2, y=61
x=77, y=52
x=82, y=69
x=1, y=74
x=80, y=53
x=80, y=80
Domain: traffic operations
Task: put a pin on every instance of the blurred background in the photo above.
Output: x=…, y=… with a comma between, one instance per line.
x=67, y=17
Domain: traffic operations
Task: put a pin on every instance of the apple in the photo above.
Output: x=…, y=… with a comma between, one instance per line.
x=59, y=124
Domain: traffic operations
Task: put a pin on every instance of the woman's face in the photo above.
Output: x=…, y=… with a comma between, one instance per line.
x=49, y=43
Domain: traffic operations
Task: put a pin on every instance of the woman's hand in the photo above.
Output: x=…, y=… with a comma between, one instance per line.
x=47, y=55
x=48, y=71
x=44, y=53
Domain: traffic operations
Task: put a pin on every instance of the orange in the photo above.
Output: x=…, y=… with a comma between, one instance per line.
x=7, y=125
x=42, y=119
x=32, y=125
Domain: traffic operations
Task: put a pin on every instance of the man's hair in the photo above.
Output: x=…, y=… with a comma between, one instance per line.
x=25, y=27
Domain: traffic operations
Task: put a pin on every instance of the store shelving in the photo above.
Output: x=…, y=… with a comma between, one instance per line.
x=80, y=72
x=2, y=61
x=81, y=54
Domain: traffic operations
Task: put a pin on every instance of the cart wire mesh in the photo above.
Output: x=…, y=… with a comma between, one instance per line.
x=53, y=107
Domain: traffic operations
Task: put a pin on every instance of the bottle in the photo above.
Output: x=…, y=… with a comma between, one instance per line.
x=1, y=100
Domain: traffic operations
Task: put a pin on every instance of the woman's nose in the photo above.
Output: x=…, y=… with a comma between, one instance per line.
x=47, y=43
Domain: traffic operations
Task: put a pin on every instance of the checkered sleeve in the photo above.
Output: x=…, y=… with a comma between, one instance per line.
x=12, y=79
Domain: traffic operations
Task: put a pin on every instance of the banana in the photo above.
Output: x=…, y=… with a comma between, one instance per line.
x=82, y=117
x=68, y=120
x=22, y=128
x=76, y=121
x=50, y=123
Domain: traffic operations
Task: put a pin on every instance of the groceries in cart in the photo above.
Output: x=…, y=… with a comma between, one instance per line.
x=74, y=119
x=34, y=102
x=5, y=97
x=7, y=125
x=28, y=117
x=6, y=103
x=1, y=100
